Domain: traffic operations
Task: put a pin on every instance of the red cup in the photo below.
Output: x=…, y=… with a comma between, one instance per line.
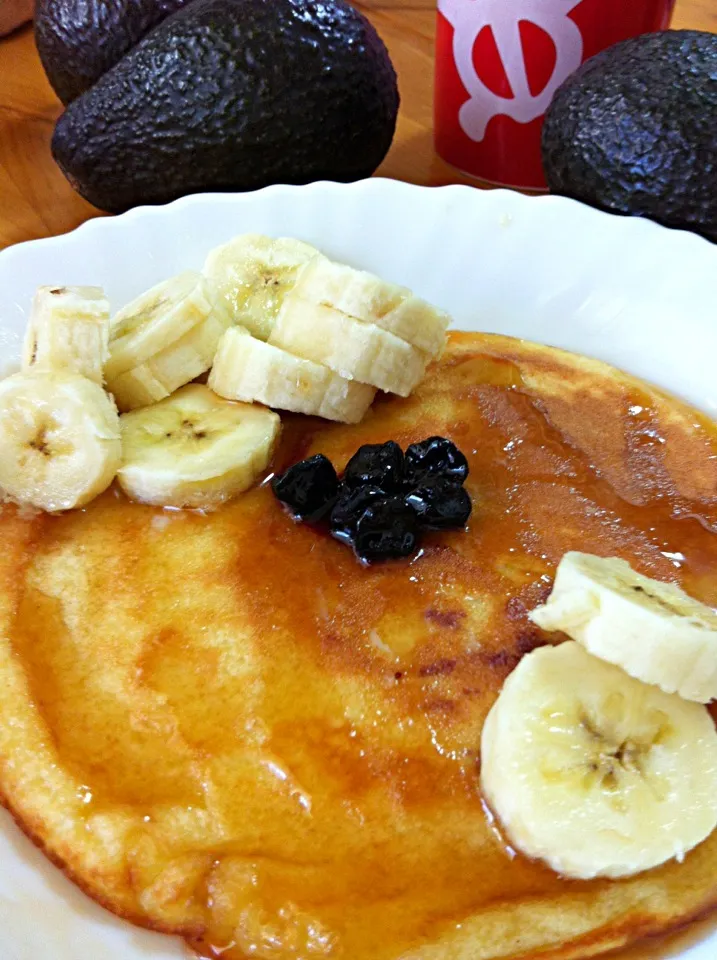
x=498, y=65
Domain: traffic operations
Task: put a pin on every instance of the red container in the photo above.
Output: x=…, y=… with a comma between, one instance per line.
x=498, y=64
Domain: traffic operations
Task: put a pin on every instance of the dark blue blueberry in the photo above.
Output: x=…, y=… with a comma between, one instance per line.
x=440, y=504
x=434, y=457
x=349, y=506
x=376, y=465
x=308, y=488
x=387, y=528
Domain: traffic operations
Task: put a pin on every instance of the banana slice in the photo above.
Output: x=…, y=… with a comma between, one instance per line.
x=248, y=369
x=59, y=439
x=367, y=298
x=158, y=318
x=194, y=449
x=253, y=273
x=68, y=330
x=594, y=772
x=353, y=349
x=653, y=630
x=180, y=362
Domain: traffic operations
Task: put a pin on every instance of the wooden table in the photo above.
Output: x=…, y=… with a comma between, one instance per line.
x=37, y=201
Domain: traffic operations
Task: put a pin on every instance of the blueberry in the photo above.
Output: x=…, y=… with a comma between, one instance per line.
x=387, y=528
x=308, y=488
x=434, y=457
x=377, y=465
x=440, y=504
x=350, y=505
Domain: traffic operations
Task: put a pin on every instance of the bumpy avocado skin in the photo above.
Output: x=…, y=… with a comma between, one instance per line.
x=233, y=95
x=79, y=40
x=634, y=131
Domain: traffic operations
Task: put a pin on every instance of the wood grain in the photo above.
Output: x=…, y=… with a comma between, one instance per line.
x=37, y=201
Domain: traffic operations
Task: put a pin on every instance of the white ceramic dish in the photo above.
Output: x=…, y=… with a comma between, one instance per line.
x=636, y=295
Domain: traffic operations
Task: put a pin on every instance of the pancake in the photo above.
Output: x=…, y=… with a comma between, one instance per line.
x=224, y=727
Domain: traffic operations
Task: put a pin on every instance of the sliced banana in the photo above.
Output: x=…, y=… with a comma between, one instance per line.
x=248, y=369
x=594, y=772
x=253, y=273
x=194, y=449
x=366, y=297
x=166, y=371
x=653, y=630
x=158, y=318
x=353, y=349
x=59, y=439
x=68, y=330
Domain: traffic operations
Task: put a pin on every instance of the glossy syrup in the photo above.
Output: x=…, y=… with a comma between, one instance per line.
x=356, y=721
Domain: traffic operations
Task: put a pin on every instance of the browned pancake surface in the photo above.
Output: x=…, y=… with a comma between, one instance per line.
x=224, y=726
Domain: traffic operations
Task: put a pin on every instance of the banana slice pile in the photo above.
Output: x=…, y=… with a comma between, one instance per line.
x=59, y=431
x=274, y=322
x=164, y=339
x=368, y=333
x=249, y=369
x=599, y=756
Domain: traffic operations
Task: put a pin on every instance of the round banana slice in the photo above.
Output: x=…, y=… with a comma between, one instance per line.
x=594, y=772
x=366, y=297
x=179, y=363
x=195, y=449
x=158, y=318
x=68, y=331
x=59, y=439
x=248, y=369
x=653, y=630
x=352, y=349
x=254, y=273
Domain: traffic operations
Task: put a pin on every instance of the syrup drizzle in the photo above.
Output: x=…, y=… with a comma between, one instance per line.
x=361, y=735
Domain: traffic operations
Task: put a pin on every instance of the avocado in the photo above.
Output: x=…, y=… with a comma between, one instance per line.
x=634, y=131
x=79, y=40
x=233, y=95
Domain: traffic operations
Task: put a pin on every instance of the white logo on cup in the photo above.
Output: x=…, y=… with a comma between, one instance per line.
x=469, y=17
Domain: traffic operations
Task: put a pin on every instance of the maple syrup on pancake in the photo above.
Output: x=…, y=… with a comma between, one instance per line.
x=537, y=493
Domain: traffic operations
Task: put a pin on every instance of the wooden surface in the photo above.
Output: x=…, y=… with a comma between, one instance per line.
x=37, y=201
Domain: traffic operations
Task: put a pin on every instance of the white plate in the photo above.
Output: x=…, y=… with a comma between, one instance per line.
x=634, y=294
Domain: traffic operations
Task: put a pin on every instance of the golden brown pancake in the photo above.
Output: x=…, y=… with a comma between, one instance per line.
x=223, y=726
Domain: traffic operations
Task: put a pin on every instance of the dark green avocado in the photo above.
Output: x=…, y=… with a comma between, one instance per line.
x=79, y=40
x=634, y=131
x=233, y=95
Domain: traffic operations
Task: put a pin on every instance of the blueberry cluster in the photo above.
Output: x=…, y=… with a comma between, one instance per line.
x=385, y=498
